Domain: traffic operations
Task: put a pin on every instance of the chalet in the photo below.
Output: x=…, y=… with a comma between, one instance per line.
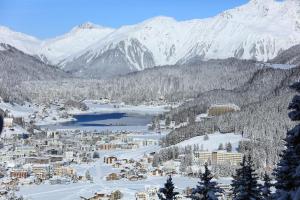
x=117, y=165
x=133, y=178
x=116, y=195
x=136, y=177
x=157, y=172
x=112, y=177
x=96, y=196
x=110, y=159
x=141, y=196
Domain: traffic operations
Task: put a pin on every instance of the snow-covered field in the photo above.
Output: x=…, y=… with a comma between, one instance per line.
x=214, y=140
x=18, y=110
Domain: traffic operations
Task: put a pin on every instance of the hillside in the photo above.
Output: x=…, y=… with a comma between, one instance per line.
x=17, y=67
x=170, y=83
x=290, y=56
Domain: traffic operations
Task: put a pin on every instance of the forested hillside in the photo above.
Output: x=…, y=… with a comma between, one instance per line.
x=16, y=67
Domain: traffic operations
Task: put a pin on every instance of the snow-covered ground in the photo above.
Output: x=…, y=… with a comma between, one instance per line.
x=281, y=66
x=18, y=110
x=200, y=117
x=214, y=140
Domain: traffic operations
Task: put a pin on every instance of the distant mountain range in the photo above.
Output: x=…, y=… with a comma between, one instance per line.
x=259, y=30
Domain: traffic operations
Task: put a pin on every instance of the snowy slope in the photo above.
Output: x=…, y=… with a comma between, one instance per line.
x=23, y=42
x=79, y=38
x=257, y=30
x=213, y=142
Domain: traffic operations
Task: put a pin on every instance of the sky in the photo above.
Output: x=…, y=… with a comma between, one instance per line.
x=49, y=18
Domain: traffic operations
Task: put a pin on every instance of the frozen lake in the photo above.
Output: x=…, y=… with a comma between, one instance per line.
x=111, y=118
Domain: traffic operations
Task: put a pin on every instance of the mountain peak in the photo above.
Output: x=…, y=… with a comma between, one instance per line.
x=87, y=25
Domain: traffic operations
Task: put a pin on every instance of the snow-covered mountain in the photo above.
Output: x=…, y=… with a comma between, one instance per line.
x=79, y=38
x=23, y=42
x=257, y=30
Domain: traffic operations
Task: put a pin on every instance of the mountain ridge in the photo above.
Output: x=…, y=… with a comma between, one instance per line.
x=258, y=30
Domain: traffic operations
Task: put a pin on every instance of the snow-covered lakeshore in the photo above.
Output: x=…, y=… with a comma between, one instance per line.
x=129, y=118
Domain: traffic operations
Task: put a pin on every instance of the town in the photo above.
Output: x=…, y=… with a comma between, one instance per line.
x=31, y=156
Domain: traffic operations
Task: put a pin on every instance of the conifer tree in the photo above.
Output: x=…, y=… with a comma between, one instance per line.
x=167, y=193
x=206, y=188
x=245, y=185
x=288, y=169
x=228, y=147
x=266, y=187
x=221, y=147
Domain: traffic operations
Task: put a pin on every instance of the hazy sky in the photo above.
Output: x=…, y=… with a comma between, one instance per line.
x=49, y=18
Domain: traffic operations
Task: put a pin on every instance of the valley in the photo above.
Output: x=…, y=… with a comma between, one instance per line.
x=110, y=113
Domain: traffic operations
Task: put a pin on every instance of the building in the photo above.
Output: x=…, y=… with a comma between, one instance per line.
x=8, y=122
x=218, y=157
x=41, y=171
x=157, y=172
x=37, y=160
x=18, y=173
x=150, y=142
x=141, y=196
x=116, y=195
x=107, y=146
x=64, y=171
x=217, y=110
x=222, y=157
x=203, y=157
x=112, y=177
x=110, y=159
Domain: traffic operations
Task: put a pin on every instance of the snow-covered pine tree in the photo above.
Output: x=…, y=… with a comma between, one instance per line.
x=288, y=169
x=244, y=184
x=167, y=192
x=266, y=188
x=221, y=147
x=206, y=188
x=229, y=147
